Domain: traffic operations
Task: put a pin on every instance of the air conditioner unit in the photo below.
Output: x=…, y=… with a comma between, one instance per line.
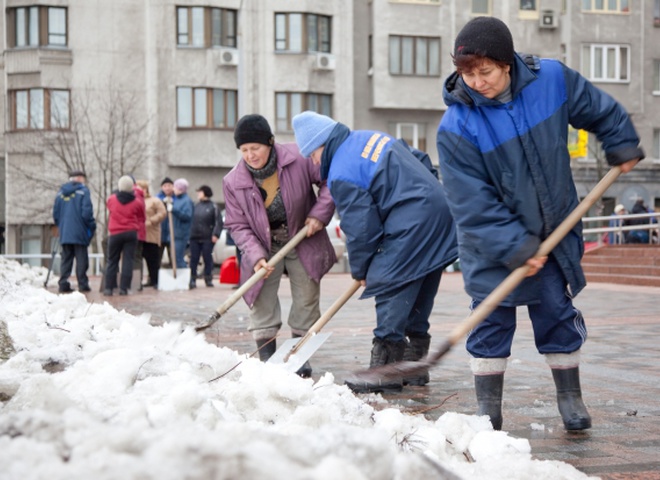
x=548, y=19
x=229, y=56
x=325, y=61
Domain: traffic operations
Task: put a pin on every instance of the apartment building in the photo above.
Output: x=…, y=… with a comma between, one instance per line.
x=155, y=87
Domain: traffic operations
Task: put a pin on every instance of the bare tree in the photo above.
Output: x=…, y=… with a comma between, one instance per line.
x=104, y=134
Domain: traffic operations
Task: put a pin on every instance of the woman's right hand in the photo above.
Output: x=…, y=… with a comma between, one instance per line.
x=263, y=264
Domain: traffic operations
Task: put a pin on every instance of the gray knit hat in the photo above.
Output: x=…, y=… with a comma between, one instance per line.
x=486, y=36
x=125, y=184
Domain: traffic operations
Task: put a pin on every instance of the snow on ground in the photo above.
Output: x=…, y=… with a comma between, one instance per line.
x=91, y=392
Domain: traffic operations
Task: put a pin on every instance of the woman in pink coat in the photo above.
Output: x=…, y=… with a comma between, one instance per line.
x=269, y=197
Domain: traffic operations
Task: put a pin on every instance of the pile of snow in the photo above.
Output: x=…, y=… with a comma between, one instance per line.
x=91, y=392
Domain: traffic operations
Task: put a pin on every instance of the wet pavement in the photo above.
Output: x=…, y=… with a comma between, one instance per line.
x=620, y=369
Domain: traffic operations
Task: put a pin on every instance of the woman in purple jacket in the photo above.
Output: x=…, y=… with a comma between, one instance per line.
x=269, y=197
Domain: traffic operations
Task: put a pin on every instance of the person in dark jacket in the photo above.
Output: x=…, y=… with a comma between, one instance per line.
x=204, y=232
x=73, y=215
x=181, y=206
x=400, y=234
x=127, y=215
x=642, y=235
x=505, y=163
x=165, y=194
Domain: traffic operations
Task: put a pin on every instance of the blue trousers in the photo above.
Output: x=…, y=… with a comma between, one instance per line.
x=69, y=252
x=406, y=310
x=203, y=248
x=558, y=326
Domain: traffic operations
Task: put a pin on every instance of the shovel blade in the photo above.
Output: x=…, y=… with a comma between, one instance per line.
x=294, y=362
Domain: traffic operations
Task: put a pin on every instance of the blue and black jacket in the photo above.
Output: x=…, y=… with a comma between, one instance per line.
x=393, y=209
x=507, y=171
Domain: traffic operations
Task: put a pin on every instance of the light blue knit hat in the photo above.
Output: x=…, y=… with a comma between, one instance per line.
x=312, y=131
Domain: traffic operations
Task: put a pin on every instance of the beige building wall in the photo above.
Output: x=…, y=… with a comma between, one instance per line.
x=130, y=46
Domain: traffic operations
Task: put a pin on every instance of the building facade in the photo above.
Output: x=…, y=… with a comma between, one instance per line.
x=155, y=87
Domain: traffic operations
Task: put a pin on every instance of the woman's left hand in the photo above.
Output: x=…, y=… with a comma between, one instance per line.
x=313, y=225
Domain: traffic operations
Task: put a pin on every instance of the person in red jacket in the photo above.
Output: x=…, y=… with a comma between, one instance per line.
x=127, y=216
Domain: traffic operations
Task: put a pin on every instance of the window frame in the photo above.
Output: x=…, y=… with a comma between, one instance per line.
x=43, y=118
x=591, y=58
x=488, y=12
x=306, y=101
x=656, y=77
x=529, y=13
x=187, y=28
x=320, y=41
x=418, y=140
x=203, y=111
x=591, y=6
x=413, y=62
x=37, y=28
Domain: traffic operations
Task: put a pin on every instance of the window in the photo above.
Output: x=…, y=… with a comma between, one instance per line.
x=656, y=77
x=206, y=107
x=204, y=27
x=606, y=6
x=413, y=133
x=39, y=109
x=528, y=9
x=606, y=63
x=416, y=1
x=655, y=148
x=480, y=7
x=30, y=238
x=288, y=104
x=414, y=56
x=302, y=32
x=36, y=26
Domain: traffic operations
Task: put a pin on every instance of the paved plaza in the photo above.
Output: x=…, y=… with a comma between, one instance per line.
x=620, y=370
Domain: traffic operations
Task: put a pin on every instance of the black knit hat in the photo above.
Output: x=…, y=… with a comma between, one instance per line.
x=253, y=129
x=208, y=193
x=166, y=180
x=485, y=36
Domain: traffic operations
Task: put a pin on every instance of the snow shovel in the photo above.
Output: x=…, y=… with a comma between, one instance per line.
x=54, y=247
x=395, y=371
x=296, y=351
x=168, y=280
x=250, y=282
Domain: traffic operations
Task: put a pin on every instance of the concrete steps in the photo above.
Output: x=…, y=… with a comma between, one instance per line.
x=623, y=264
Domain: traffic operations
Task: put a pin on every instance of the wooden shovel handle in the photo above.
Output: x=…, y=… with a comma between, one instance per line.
x=250, y=282
x=172, y=244
x=492, y=301
x=325, y=318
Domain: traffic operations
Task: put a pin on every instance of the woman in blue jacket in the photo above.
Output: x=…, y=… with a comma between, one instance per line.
x=505, y=164
x=400, y=234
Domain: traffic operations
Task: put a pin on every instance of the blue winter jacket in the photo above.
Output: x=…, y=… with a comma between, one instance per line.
x=393, y=211
x=506, y=168
x=165, y=224
x=73, y=214
x=182, y=215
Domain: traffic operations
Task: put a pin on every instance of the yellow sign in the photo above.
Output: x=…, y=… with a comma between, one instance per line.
x=577, y=143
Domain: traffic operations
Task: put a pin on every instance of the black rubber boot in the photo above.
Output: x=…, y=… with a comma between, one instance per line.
x=569, y=399
x=489, y=397
x=382, y=353
x=417, y=347
x=193, y=283
x=208, y=279
x=266, y=349
x=306, y=370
